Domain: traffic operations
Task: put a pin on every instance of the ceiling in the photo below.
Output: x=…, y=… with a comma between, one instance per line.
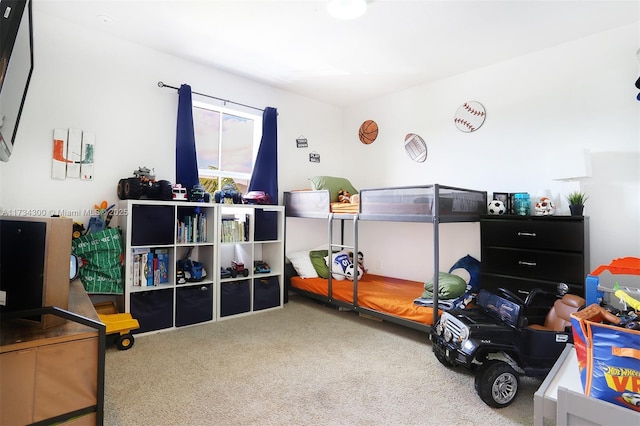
x=297, y=46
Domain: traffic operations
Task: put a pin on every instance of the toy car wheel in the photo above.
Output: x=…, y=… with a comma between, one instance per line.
x=121, y=185
x=166, y=191
x=444, y=361
x=132, y=189
x=237, y=199
x=234, y=273
x=497, y=384
x=125, y=341
x=245, y=273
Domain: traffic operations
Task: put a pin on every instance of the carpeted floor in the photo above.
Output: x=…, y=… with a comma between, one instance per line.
x=306, y=364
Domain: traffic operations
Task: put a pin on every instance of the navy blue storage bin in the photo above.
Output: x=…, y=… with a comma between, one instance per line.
x=266, y=293
x=235, y=297
x=194, y=304
x=266, y=226
x=153, y=309
x=152, y=225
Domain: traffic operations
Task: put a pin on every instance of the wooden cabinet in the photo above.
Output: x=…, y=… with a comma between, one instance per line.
x=521, y=253
x=215, y=236
x=45, y=374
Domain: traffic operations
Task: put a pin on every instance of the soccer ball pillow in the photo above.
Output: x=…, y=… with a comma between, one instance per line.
x=496, y=207
x=342, y=266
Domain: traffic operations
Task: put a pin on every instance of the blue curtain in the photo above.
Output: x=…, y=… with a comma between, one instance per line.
x=265, y=171
x=186, y=160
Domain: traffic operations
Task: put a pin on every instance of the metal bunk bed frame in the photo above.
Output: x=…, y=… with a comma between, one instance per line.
x=435, y=219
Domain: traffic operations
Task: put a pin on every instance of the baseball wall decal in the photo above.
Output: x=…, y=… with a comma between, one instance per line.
x=470, y=116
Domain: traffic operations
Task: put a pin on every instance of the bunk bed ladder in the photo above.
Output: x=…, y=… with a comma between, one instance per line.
x=341, y=246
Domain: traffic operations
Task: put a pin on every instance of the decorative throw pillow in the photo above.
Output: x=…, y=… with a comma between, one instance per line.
x=333, y=185
x=471, y=265
x=450, y=286
x=319, y=262
x=302, y=264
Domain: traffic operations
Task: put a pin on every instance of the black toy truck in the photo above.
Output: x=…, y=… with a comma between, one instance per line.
x=143, y=184
x=498, y=340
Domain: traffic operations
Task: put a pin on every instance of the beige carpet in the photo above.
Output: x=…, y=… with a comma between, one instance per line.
x=306, y=364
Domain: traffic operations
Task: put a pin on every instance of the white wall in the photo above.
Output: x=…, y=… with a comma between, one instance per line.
x=94, y=82
x=578, y=94
x=540, y=109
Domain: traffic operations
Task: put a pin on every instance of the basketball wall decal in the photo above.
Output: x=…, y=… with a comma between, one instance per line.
x=368, y=132
x=469, y=116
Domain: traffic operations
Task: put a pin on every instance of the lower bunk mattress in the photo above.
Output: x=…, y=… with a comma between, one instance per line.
x=390, y=296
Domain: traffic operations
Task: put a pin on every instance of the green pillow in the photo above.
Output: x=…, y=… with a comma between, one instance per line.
x=333, y=185
x=450, y=286
x=319, y=263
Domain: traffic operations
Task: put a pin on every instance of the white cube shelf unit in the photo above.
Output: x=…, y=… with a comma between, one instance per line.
x=214, y=235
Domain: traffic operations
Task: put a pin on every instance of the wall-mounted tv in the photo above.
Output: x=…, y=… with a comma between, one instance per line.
x=16, y=67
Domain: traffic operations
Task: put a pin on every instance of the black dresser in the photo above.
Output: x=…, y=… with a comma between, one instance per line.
x=521, y=253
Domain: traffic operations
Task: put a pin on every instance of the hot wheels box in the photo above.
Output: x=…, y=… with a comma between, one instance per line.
x=608, y=358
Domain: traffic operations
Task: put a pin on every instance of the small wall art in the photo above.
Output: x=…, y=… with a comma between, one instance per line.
x=368, y=132
x=73, y=154
x=415, y=147
x=470, y=116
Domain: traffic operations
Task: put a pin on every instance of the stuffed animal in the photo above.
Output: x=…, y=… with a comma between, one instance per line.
x=343, y=267
x=344, y=196
x=360, y=259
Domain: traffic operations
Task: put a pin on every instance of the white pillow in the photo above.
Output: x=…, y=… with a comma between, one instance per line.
x=302, y=264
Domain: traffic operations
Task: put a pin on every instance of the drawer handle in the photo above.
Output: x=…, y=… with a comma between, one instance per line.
x=527, y=234
x=525, y=263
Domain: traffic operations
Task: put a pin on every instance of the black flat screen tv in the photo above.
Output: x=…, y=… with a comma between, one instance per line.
x=16, y=67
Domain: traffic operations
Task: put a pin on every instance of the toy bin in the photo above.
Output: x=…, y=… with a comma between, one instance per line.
x=608, y=355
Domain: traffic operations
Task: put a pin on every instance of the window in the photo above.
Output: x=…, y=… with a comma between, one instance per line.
x=226, y=146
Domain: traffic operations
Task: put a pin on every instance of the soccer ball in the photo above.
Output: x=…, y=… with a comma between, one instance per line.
x=496, y=207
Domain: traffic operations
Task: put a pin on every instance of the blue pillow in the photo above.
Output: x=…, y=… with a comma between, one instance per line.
x=472, y=266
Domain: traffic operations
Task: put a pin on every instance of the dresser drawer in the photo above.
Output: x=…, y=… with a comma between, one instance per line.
x=534, y=264
x=522, y=286
x=534, y=234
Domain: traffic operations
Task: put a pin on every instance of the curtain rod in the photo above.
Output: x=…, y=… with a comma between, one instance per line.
x=161, y=84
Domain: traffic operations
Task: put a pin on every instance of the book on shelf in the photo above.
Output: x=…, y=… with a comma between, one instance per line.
x=150, y=267
x=235, y=230
x=192, y=229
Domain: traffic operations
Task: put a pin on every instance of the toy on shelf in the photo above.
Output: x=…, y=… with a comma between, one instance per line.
x=144, y=184
x=256, y=197
x=192, y=271
x=227, y=192
x=261, y=267
x=179, y=192
x=236, y=268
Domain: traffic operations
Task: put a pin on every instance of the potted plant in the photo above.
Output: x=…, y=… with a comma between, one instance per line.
x=576, y=202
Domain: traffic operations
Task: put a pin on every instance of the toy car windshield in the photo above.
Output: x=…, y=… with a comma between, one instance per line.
x=499, y=307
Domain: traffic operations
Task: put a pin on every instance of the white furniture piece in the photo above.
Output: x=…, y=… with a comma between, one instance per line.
x=214, y=235
x=561, y=397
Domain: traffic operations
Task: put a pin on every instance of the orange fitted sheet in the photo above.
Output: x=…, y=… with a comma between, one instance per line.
x=392, y=296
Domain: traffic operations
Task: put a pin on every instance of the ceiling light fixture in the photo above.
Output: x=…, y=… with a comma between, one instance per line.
x=347, y=9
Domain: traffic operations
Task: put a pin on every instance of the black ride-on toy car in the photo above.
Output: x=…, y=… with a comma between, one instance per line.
x=503, y=337
x=143, y=184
